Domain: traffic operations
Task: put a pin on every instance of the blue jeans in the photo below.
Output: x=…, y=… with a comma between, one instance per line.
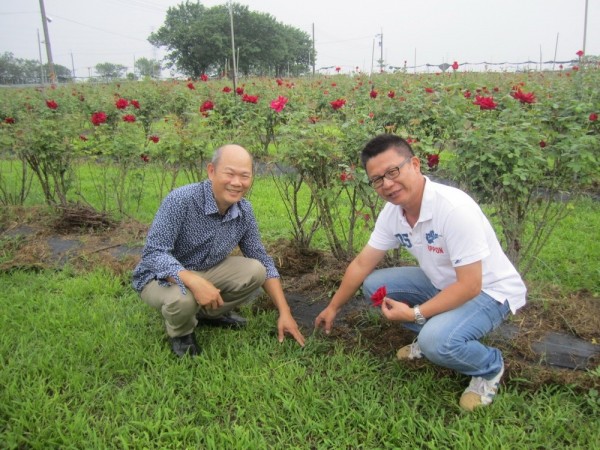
x=449, y=339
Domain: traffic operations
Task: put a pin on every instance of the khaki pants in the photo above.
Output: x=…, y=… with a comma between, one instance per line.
x=238, y=278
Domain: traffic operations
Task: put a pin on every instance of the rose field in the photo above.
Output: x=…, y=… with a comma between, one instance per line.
x=85, y=364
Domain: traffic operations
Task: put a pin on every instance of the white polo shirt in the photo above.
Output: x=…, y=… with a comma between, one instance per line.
x=452, y=231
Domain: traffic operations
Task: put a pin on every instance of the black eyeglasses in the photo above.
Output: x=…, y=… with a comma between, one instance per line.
x=390, y=174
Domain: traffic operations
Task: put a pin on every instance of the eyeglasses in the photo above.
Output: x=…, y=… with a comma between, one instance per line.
x=390, y=174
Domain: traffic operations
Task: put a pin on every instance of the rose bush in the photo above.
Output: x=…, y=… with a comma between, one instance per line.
x=519, y=143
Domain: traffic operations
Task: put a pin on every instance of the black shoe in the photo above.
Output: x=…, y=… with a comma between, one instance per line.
x=185, y=345
x=228, y=320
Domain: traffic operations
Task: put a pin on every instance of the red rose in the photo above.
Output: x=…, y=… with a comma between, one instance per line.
x=207, y=106
x=373, y=93
x=204, y=77
x=279, y=103
x=135, y=104
x=543, y=144
x=279, y=81
x=9, y=120
x=523, y=97
x=226, y=89
x=338, y=68
x=433, y=160
x=51, y=104
x=593, y=117
x=485, y=102
x=337, y=104
x=154, y=138
x=239, y=91
x=250, y=98
x=455, y=65
x=98, y=118
x=467, y=94
x=145, y=158
x=129, y=118
x=391, y=94
x=191, y=86
x=579, y=53
x=121, y=103
x=378, y=295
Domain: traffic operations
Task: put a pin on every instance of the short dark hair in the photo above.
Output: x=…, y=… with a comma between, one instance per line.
x=383, y=142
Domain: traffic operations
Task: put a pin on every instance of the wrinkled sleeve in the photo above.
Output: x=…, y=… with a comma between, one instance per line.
x=252, y=247
x=157, y=256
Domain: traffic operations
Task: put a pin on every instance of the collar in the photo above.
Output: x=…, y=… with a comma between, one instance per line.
x=210, y=204
x=426, y=212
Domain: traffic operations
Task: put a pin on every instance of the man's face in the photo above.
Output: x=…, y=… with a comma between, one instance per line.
x=231, y=177
x=403, y=187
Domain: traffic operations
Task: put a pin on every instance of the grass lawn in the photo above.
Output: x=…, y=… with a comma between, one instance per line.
x=85, y=364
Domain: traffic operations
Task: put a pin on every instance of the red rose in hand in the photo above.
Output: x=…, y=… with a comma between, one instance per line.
x=377, y=297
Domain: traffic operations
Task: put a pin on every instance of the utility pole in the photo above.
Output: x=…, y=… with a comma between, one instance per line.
x=41, y=61
x=585, y=27
x=373, y=55
x=555, y=51
x=313, y=47
x=380, y=36
x=381, y=51
x=45, y=21
x=415, y=62
x=232, y=47
x=73, y=66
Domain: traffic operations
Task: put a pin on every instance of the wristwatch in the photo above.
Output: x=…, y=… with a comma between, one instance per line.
x=419, y=318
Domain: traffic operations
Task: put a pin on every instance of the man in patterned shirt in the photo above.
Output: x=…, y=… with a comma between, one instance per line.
x=186, y=270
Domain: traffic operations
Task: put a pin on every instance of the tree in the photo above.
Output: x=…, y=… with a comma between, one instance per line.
x=63, y=74
x=110, y=71
x=148, y=67
x=198, y=40
x=27, y=71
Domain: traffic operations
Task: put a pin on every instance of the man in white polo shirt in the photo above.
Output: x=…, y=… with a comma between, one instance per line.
x=464, y=287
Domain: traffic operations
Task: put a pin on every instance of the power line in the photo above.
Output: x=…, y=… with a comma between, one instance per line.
x=99, y=29
x=139, y=4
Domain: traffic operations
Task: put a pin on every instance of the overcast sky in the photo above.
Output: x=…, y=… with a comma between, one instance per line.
x=86, y=32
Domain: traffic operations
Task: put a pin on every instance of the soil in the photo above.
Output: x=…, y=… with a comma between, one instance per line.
x=550, y=340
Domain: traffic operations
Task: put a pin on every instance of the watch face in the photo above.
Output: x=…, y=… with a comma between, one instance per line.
x=419, y=317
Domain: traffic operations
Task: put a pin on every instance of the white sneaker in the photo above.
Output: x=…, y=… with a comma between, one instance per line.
x=481, y=392
x=409, y=352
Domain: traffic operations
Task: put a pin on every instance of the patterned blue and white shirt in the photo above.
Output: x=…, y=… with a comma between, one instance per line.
x=189, y=233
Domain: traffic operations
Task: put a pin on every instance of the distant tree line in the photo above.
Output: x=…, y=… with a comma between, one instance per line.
x=15, y=70
x=198, y=41
x=29, y=71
